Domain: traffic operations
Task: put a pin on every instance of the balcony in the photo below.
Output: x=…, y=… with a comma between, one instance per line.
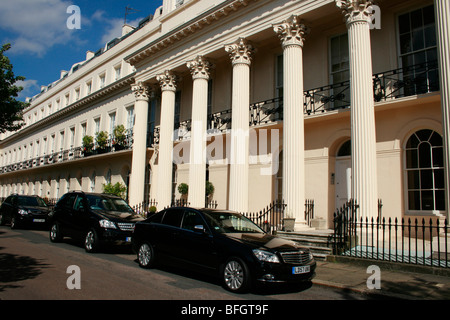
x=389, y=85
x=73, y=153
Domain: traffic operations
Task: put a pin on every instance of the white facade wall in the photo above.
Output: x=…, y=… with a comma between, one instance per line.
x=202, y=28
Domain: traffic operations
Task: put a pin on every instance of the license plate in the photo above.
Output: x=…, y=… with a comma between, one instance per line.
x=38, y=220
x=128, y=239
x=300, y=270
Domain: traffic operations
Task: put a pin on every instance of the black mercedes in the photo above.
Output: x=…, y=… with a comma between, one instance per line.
x=222, y=243
x=97, y=219
x=24, y=210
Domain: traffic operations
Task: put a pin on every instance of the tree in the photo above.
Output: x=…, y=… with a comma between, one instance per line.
x=117, y=189
x=11, y=118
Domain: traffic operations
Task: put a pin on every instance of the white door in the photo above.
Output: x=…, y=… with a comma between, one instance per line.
x=343, y=179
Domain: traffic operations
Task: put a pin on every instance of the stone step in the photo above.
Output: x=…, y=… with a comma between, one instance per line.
x=318, y=241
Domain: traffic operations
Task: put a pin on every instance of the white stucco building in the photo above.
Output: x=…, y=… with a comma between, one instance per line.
x=288, y=99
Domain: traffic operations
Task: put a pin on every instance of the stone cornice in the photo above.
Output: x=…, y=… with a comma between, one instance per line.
x=187, y=29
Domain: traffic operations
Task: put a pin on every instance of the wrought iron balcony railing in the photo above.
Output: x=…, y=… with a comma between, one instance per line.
x=417, y=79
x=72, y=153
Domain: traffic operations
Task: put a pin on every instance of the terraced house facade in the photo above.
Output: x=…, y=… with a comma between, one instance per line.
x=288, y=99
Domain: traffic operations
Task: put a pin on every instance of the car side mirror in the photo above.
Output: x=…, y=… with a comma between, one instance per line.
x=199, y=228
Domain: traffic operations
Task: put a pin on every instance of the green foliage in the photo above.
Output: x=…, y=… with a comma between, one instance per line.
x=183, y=188
x=102, y=139
x=209, y=188
x=117, y=189
x=11, y=118
x=88, y=143
x=119, y=134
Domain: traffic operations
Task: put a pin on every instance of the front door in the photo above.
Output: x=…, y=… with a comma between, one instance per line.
x=343, y=180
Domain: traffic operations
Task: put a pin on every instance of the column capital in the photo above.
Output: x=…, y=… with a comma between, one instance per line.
x=240, y=52
x=356, y=10
x=291, y=31
x=141, y=91
x=167, y=81
x=199, y=68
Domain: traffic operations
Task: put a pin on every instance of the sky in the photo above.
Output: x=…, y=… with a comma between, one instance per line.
x=46, y=38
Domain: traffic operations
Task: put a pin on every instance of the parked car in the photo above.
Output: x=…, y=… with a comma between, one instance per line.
x=21, y=210
x=97, y=219
x=223, y=243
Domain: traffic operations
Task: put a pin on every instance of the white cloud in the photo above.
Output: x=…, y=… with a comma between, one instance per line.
x=35, y=26
x=29, y=88
x=113, y=26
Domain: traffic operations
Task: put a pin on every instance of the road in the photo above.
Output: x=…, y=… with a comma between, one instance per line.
x=33, y=268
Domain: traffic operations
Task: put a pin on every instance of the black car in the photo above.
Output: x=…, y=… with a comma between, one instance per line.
x=97, y=219
x=21, y=210
x=223, y=243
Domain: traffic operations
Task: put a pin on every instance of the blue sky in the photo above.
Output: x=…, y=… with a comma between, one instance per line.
x=43, y=45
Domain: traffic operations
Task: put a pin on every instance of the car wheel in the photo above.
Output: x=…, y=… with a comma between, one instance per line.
x=146, y=255
x=91, y=242
x=2, y=220
x=55, y=233
x=236, y=276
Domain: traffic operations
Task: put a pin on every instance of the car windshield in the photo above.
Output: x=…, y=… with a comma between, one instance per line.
x=108, y=204
x=231, y=222
x=31, y=202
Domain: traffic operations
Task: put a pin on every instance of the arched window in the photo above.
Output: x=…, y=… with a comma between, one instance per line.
x=345, y=149
x=425, y=171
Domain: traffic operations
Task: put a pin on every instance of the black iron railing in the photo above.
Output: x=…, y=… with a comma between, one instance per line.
x=270, y=219
x=69, y=154
x=413, y=241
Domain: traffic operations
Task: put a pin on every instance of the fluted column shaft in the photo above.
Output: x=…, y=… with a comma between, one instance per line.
x=240, y=55
x=291, y=33
x=362, y=114
x=442, y=12
x=139, y=158
x=199, y=68
x=167, y=81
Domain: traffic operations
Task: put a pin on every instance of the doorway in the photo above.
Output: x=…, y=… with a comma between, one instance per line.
x=343, y=174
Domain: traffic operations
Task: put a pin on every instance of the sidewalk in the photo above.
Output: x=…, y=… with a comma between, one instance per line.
x=397, y=281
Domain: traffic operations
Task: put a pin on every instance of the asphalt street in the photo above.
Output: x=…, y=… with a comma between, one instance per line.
x=33, y=268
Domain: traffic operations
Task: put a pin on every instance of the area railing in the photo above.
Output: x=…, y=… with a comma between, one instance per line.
x=270, y=219
x=407, y=240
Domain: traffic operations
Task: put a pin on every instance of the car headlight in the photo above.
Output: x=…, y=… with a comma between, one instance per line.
x=266, y=256
x=107, y=224
x=22, y=212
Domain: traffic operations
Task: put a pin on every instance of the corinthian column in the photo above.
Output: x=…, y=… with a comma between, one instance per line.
x=291, y=33
x=138, y=162
x=364, y=162
x=167, y=80
x=240, y=54
x=199, y=68
x=442, y=12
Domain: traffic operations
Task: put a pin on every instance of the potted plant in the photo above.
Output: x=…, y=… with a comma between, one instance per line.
x=101, y=139
x=183, y=188
x=88, y=145
x=209, y=190
x=119, y=139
